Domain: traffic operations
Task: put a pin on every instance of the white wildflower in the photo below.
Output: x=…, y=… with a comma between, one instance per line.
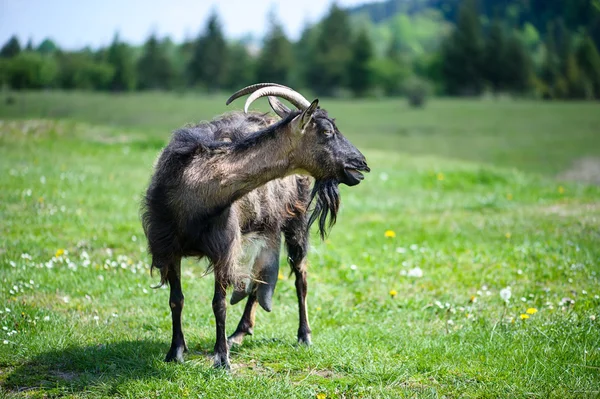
x=401, y=250
x=416, y=272
x=505, y=294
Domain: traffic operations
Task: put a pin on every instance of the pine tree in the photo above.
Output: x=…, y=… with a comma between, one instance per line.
x=360, y=73
x=588, y=60
x=517, y=65
x=11, y=48
x=462, y=53
x=240, y=72
x=332, y=53
x=495, y=58
x=120, y=58
x=276, y=58
x=154, y=68
x=209, y=59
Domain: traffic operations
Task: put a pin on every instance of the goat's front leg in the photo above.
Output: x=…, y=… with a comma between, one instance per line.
x=219, y=305
x=178, y=346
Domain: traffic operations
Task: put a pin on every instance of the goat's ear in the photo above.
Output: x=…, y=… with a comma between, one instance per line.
x=304, y=118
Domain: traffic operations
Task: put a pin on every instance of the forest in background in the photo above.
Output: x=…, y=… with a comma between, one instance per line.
x=535, y=48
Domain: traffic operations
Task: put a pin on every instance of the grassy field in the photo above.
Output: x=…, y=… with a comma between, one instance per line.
x=404, y=296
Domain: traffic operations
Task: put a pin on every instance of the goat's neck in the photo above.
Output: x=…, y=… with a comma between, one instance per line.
x=246, y=165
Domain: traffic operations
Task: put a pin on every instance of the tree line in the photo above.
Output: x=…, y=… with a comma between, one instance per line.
x=336, y=56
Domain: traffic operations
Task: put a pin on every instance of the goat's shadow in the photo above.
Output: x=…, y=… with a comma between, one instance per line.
x=78, y=368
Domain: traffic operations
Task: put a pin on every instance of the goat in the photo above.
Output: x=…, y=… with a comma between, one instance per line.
x=239, y=178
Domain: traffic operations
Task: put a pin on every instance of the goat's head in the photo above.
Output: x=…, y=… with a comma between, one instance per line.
x=321, y=149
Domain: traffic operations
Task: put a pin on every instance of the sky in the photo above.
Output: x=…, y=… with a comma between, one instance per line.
x=74, y=24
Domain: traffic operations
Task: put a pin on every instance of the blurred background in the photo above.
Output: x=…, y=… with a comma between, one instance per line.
x=532, y=48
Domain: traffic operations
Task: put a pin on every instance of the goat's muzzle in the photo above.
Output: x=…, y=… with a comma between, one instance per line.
x=352, y=173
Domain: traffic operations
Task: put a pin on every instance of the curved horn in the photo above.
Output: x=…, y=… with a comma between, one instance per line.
x=251, y=89
x=279, y=107
x=284, y=92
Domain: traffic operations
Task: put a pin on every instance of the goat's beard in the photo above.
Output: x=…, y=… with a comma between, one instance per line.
x=326, y=197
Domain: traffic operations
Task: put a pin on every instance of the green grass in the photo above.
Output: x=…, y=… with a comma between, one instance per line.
x=467, y=187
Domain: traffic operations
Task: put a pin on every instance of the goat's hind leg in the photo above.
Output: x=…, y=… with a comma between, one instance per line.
x=178, y=346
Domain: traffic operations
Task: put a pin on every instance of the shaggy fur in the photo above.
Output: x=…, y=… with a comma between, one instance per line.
x=240, y=176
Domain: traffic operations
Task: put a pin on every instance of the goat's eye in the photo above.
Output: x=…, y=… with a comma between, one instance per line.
x=328, y=132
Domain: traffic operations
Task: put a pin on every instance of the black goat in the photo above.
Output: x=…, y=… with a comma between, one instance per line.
x=242, y=178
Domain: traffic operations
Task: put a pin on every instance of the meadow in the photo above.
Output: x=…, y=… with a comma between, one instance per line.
x=461, y=267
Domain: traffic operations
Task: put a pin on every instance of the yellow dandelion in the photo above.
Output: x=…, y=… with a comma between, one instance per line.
x=393, y=293
x=509, y=196
x=507, y=235
x=440, y=176
x=561, y=190
x=390, y=233
x=59, y=252
x=280, y=276
x=318, y=308
x=524, y=316
x=41, y=200
x=473, y=299
x=321, y=395
x=531, y=311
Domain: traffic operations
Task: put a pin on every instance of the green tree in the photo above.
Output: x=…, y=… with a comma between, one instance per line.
x=120, y=57
x=588, y=60
x=47, y=46
x=332, y=53
x=462, y=53
x=208, y=63
x=240, y=72
x=495, y=57
x=276, y=58
x=28, y=70
x=81, y=71
x=11, y=48
x=154, y=68
x=517, y=65
x=360, y=71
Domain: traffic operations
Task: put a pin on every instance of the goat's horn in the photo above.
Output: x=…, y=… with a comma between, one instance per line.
x=284, y=92
x=279, y=107
x=251, y=89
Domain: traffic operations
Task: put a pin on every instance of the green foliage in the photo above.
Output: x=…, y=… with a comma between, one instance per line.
x=276, y=57
x=496, y=58
x=417, y=91
x=47, y=46
x=518, y=67
x=241, y=71
x=154, y=68
x=462, y=53
x=332, y=53
x=359, y=68
x=208, y=65
x=29, y=70
x=11, y=48
x=588, y=61
x=81, y=71
x=120, y=58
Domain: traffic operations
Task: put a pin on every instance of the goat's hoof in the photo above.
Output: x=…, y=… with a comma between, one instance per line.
x=221, y=361
x=304, y=339
x=175, y=354
x=235, y=339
